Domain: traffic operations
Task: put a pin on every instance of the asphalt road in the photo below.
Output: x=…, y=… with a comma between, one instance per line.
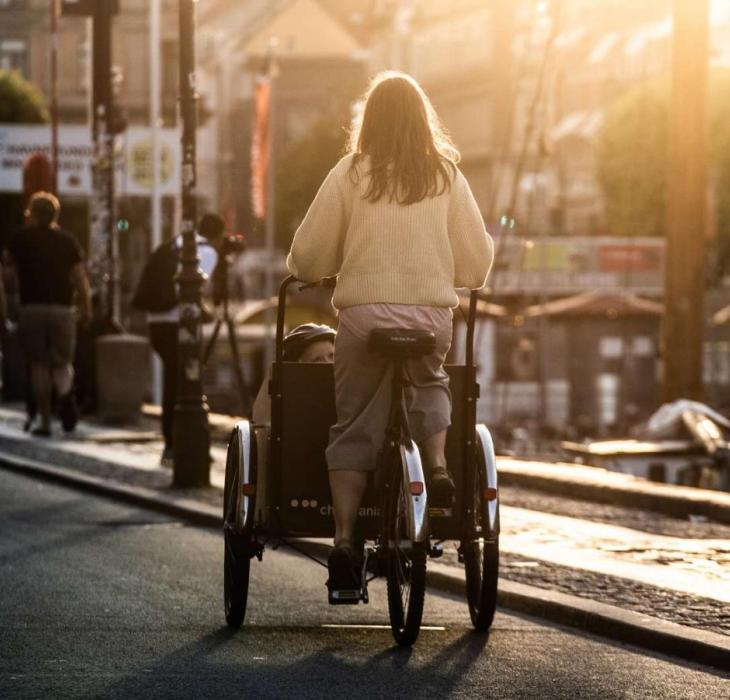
x=99, y=599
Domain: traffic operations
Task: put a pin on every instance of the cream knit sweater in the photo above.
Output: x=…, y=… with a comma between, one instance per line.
x=385, y=252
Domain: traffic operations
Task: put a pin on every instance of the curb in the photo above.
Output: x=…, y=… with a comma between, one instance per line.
x=690, y=644
x=677, y=501
x=679, y=641
x=183, y=508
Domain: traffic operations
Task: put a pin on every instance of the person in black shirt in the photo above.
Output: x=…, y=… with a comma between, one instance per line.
x=49, y=267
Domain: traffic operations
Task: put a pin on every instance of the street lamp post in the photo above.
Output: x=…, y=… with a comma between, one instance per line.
x=53, y=9
x=104, y=243
x=191, y=440
x=686, y=197
x=104, y=246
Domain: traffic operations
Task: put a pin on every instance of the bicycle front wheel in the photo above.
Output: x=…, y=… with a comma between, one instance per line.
x=406, y=561
x=481, y=549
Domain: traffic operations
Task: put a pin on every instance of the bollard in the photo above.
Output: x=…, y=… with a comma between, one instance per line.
x=123, y=372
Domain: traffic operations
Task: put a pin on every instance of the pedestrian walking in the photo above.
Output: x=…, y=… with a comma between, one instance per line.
x=48, y=264
x=158, y=295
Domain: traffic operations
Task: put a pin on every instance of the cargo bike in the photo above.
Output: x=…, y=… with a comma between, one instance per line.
x=277, y=491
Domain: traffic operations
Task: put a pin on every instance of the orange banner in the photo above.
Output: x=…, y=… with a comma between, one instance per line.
x=260, y=147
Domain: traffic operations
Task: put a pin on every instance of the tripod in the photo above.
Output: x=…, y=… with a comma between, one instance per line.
x=225, y=319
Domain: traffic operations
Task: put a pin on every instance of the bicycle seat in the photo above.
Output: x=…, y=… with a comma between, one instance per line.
x=401, y=343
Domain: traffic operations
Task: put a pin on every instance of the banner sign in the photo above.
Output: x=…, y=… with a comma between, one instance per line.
x=571, y=264
x=260, y=147
x=75, y=152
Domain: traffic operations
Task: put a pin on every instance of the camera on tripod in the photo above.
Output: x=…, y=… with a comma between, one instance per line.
x=233, y=244
x=229, y=247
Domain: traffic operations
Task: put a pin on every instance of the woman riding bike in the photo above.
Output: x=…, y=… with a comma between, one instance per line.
x=395, y=220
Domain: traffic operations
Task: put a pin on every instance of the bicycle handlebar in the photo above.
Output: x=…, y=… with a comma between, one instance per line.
x=331, y=282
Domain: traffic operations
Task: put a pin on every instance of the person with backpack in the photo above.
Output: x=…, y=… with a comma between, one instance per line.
x=158, y=295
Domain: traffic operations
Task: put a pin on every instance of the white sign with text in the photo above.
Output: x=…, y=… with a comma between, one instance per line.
x=75, y=150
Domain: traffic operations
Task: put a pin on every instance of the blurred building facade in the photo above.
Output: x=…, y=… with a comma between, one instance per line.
x=25, y=46
x=319, y=68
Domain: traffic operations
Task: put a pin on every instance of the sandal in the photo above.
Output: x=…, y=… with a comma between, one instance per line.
x=441, y=490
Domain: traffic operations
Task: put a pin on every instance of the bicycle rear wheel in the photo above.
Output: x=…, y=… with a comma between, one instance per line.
x=481, y=552
x=406, y=561
x=237, y=541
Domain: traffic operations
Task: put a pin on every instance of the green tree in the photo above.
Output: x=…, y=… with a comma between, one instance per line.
x=20, y=100
x=301, y=168
x=632, y=152
x=632, y=161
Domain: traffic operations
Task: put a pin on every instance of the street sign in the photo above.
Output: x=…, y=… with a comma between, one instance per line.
x=87, y=8
x=133, y=164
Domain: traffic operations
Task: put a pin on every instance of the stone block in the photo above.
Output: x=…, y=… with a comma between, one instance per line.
x=123, y=371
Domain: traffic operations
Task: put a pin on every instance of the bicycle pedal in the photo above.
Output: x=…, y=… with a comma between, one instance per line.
x=346, y=596
x=434, y=512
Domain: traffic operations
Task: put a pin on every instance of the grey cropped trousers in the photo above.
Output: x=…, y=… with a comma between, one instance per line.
x=363, y=383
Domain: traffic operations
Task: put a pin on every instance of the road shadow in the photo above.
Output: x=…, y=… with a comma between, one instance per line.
x=278, y=663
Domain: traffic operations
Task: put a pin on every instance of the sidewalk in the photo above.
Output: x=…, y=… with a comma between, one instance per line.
x=604, y=486
x=675, y=570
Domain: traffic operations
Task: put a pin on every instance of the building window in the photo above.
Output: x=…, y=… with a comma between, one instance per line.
x=608, y=391
x=642, y=346
x=612, y=347
x=14, y=54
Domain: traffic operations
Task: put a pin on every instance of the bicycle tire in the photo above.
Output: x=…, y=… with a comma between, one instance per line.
x=236, y=543
x=481, y=558
x=236, y=570
x=406, y=566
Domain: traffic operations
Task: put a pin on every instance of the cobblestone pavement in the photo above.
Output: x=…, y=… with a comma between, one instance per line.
x=680, y=607
x=700, y=567
x=673, y=606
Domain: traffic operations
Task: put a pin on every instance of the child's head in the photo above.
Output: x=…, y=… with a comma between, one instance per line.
x=310, y=342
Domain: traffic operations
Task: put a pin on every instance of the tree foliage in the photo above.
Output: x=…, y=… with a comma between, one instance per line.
x=632, y=157
x=632, y=161
x=20, y=101
x=301, y=168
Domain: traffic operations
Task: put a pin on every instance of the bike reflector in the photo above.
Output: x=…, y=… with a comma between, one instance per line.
x=249, y=489
x=416, y=488
x=489, y=494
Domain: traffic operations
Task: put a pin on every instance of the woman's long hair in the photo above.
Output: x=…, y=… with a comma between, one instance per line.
x=411, y=155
